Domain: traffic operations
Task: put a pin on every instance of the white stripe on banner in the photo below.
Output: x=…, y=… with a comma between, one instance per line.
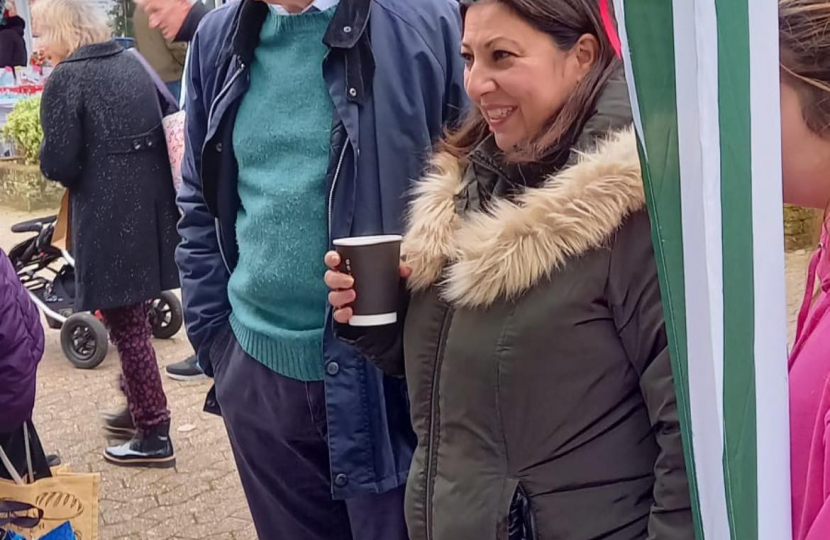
x=619, y=10
x=696, y=72
x=709, y=113
x=771, y=387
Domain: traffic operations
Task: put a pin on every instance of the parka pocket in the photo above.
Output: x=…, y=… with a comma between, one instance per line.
x=218, y=348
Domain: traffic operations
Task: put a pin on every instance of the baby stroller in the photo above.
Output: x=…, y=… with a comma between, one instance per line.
x=48, y=274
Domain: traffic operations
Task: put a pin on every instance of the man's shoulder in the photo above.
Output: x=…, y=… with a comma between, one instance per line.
x=430, y=24
x=219, y=20
x=214, y=34
x=421, y=15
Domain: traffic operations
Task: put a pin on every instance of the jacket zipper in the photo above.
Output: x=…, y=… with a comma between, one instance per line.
x=219, y=241
x=334, y=184
x=225, y=90
x=219, y=97
x=433, y=406
x=534, y=533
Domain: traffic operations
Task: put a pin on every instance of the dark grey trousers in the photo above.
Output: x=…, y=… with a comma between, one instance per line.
x=277, y=428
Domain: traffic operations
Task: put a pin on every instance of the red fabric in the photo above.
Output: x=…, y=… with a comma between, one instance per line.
x=141, y=382
x=810, y=407
x=610, y=28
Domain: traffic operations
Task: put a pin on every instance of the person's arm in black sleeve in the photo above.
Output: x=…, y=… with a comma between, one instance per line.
x=380, y=345
x=634, y=293
x=191, y=23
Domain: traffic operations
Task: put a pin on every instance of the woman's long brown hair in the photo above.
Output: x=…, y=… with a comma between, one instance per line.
x=565, y=21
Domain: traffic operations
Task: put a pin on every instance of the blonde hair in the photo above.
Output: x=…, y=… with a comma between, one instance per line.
x=70, y=24
x=804, y=27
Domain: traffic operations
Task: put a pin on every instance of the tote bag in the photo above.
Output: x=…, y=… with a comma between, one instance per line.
x=33, y=509
x=172, y=122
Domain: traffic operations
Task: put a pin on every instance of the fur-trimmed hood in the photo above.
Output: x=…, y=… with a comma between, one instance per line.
x=482, y=257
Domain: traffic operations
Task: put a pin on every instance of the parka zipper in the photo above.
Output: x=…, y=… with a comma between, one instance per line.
x=433, y=414
x=531, y=517
x=334, y=185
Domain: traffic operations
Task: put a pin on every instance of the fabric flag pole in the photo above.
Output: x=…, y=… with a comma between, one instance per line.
x=704, y=83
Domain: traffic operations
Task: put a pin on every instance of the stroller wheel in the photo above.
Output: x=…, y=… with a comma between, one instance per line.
x=166, y=316
x=84, y=340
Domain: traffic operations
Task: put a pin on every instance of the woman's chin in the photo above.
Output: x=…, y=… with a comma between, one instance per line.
x=506, y=142
x=806, y=200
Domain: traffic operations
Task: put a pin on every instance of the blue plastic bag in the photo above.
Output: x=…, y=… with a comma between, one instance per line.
x=64, y=532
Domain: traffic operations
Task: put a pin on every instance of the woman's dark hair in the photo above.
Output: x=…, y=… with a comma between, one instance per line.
x=565, y=21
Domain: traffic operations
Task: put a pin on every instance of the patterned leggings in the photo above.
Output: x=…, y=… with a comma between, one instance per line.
x=140, y=381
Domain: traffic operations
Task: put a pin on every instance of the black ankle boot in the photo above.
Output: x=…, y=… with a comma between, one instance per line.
x=148, y=448
x=119, y=424
x=53, y=460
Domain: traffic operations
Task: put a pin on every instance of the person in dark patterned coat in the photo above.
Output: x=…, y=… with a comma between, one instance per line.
x=104, y=141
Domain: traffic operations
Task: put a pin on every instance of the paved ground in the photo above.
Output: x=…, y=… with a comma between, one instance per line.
x=201, y=498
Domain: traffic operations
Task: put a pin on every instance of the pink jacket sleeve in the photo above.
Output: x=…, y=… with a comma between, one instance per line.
x=820, y=528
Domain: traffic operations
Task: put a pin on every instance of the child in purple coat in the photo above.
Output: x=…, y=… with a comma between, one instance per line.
x=21, y=348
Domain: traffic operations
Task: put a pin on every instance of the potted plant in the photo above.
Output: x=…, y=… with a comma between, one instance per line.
x=21, y=183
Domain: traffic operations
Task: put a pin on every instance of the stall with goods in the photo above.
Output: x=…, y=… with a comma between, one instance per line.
x=10, y=96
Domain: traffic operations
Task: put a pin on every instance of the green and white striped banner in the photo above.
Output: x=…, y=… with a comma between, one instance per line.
x=704, y=81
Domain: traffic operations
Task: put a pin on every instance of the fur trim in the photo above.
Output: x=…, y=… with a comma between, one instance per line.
x=504, y=252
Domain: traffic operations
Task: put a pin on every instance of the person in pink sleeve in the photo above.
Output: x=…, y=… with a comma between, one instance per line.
x=805, y=119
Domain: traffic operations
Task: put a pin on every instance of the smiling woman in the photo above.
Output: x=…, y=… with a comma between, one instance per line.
x=533, y=69
x=534, y=344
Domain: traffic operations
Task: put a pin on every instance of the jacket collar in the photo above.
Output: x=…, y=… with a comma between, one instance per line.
x=347, y=26
x=483, y=256
x=97, y=50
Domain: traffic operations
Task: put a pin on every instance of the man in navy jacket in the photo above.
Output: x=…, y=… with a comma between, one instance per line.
x=321, y=438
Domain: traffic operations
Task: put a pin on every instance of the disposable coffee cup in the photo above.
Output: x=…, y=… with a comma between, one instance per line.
x=374, y=263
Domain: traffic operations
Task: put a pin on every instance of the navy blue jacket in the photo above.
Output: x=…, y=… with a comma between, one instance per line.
x=395, y=76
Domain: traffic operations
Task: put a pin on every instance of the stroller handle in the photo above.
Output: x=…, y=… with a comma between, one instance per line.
x=35, y=225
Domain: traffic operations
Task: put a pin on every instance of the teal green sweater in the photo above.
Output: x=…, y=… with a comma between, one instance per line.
x=281, y=141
